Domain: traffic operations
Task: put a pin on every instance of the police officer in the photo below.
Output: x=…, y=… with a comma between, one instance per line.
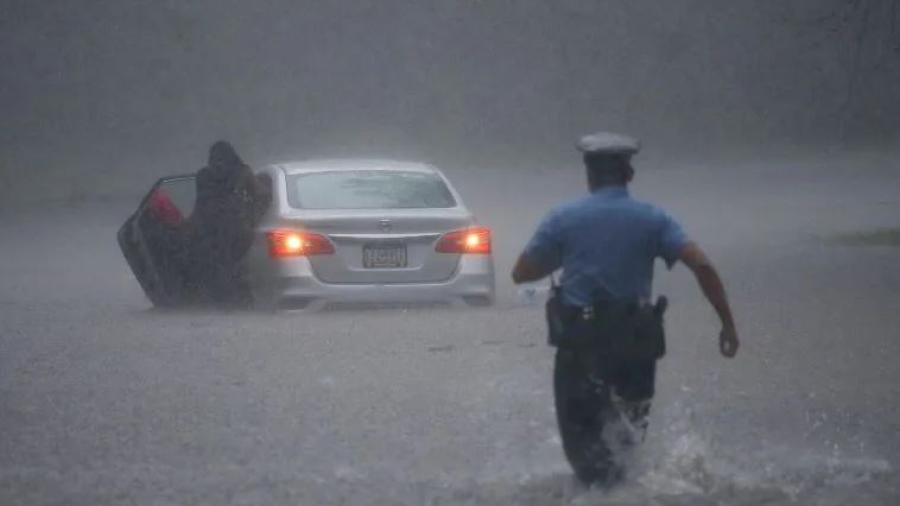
x=606, y=244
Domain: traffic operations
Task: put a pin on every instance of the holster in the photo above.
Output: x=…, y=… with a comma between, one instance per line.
x=621, y=330
x=557, y=316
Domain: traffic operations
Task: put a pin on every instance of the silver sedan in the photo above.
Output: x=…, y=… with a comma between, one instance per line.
x=341, y=232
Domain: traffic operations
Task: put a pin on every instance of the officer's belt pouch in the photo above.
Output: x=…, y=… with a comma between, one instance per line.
x=621, y=330
x=556, y=317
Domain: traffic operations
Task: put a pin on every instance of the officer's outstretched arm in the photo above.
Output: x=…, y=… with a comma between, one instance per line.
x=714, y=290
x=526, y=271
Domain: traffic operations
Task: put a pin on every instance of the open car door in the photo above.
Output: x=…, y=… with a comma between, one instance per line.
x=155, y=241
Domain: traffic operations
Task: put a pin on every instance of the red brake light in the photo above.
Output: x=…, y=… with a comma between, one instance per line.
x=474, y=240
x=297, y=243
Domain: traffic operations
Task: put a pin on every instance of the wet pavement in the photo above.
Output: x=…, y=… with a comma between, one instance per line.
x=105, y=401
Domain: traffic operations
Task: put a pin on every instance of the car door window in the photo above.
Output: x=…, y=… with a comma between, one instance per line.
x=173, y=197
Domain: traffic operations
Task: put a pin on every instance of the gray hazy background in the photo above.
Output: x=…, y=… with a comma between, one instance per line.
x=124, y=91
x=771, y=132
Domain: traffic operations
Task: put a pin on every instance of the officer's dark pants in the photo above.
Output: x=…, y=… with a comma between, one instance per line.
x=596, y=434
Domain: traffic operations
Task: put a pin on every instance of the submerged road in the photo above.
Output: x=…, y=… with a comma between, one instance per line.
x=104, y=401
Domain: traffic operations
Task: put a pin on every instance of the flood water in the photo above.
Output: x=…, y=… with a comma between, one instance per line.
x=105, y=401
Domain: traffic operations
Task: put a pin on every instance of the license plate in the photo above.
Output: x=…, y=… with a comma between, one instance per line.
x=384, y=256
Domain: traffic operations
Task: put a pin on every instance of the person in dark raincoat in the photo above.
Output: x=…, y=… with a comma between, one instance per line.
x=224, y=217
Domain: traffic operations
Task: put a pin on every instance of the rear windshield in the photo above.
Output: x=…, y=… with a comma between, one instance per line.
x=368, y=189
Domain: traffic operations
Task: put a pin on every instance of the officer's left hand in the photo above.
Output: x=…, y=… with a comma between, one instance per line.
x=728, y=342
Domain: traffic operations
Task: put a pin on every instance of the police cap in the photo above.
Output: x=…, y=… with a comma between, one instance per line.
x=608, y=143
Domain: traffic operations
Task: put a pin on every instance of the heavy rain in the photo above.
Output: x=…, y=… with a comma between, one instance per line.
x=769, y=131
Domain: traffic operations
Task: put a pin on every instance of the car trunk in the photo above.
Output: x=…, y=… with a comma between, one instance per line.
x=384, y=246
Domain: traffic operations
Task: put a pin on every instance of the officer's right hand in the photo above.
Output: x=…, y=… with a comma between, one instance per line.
x=728, y=341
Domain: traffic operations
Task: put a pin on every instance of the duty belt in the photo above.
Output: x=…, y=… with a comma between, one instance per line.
x=594, y=311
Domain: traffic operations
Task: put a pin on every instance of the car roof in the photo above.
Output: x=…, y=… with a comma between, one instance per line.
x=352, y=164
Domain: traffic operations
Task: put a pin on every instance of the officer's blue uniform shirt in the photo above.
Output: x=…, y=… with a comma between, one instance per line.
x=606, y=244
